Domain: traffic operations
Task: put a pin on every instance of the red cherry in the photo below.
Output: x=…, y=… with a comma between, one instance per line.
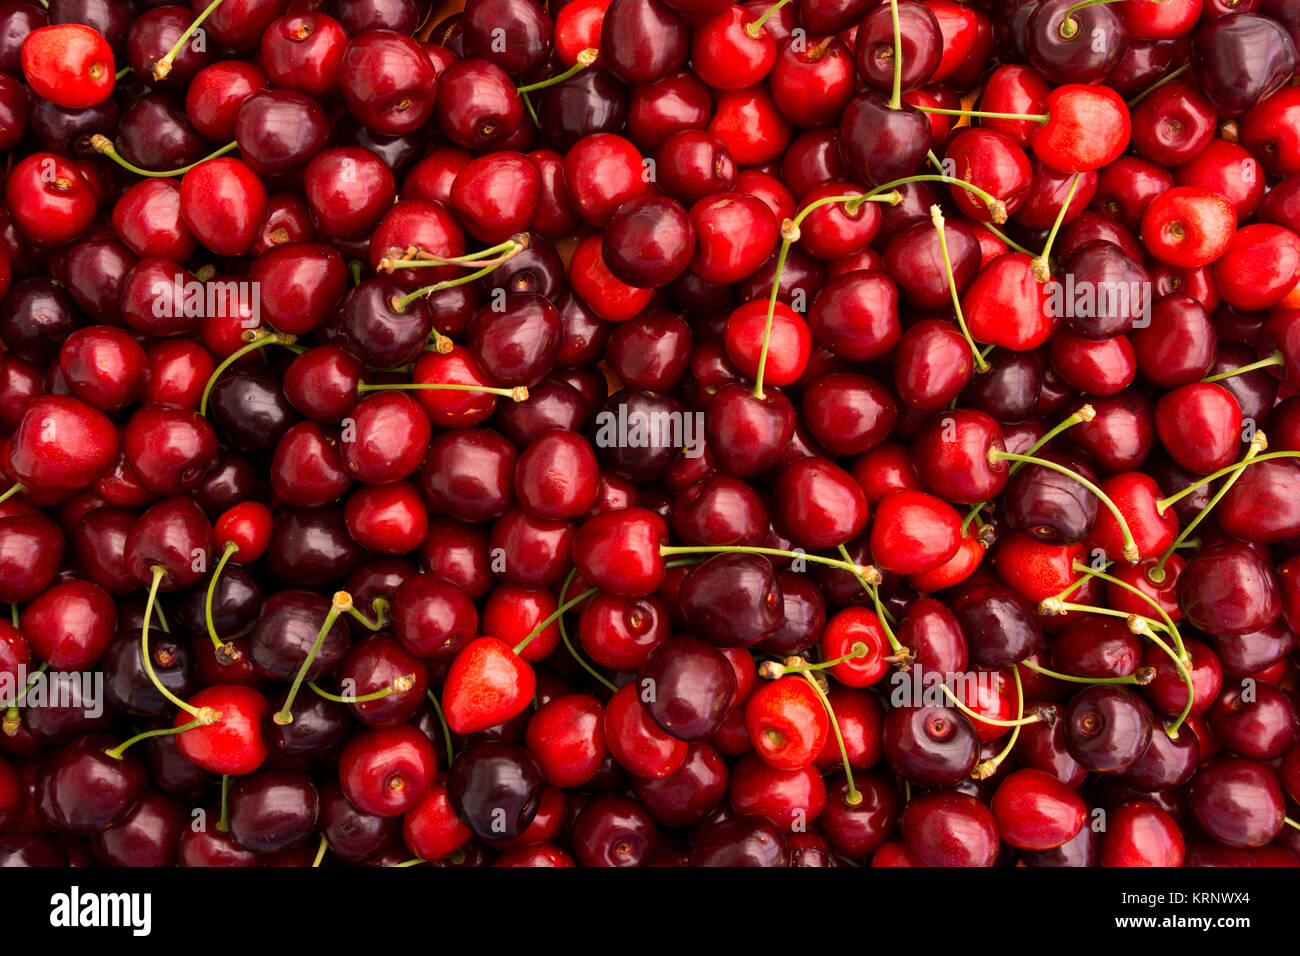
x=567, y=736
x=61, y=443
x=233, y=745
x=1141, y=834
x=1088, y=128
x=1005, y=305
x=1035, y=811
x=70, y=65
x=1200, y=426
x=787, y=723
x=847, y=628
x=635, y=740
x=1188, y=226
x=246, y=525
x=387, y=772
x=487, y=685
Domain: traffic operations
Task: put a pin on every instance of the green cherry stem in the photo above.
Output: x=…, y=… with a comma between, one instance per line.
x=104, y=146
x=870, y=583
x=400, y=685
x=320, y=851
x=519, y=393
x=164, y=64
x=490, y=256
x=257, y=339
x=205, y=715
x=116, y=752
x=1141, y=676
x=992, y=721
x=1142, y=627
x=853, y=798
x=446, y=731
x=1275, y=358
x=223, y=822
x=896, y=99
x=936, y=217
x=340, y=604
x=220, y=646
x=1170, y=627
x=1257, y=444
x=568, y=644
x=121, y=73
x=997, y=208
x=1291, y=823
x=12, y=490
x=12, y=720
x=1164, y=504
x=1042, y=264
x=401, y=303
x=753, y=28
x=789, y=236
x=774, y=669
x=585, y=59
x=987, y=768
x=863, y=570
x=380, y=606
x=982, y=114
x=1131, y=553
x=1085, y=413
x=554, y=616
x=1167, y=78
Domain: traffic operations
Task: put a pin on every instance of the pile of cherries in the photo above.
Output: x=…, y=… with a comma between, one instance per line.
x=650, y=432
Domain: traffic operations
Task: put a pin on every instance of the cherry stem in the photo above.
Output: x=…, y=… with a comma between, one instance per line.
x=1085, y=413
x=1274, y=359
x=355, y=267
x=1167, y=78
x=519, y=393
x=554, y=616
x=564, y=636
x=164, y=65
x=1042, y=264
x=116, y=752
x=982, y=114
x=257, y=339
x=380, y=606
x=1172, y=628
x=122, y=72
x=753, y=28
x=789, y=236
x=997, y=208
x=936, y=217
x=104, y=146
x=13, y=489
x=853, y=798
x=206, y=715
x=1291, y=823
x=223, y=822
x=987, y=768
x=1142, y=676
x=427, y=259
x=12, y=720
x=1131, y=553
x=896, y=100
x=1164, y=504
x=224, y=653
x=401, y=304
x=858, y=570
x=858, y=651
x=585, y=59
x=870, y=584
x=341, y=603
x=13, y=614
x=992, y=721
x=320, y=852
x=1142, y=626
x=400, y=685
x=446, y=731
x=1257, y=444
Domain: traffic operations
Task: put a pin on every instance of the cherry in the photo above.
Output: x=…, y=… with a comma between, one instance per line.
x=1140, y=833
x=487, y=685
x=70, y=65
x=881, y=142
x=743, y=841
x=387, y=772
x=1035, y=811
x=1238, y=802
x=948, y=828
x=933, y=746
x=82, y=789
x=1107, y=728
